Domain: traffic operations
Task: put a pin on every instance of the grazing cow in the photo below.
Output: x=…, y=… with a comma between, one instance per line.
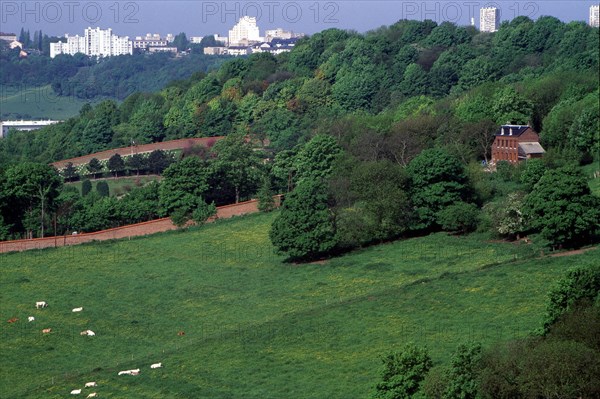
x=47, y=330
x=89, y=333
x=75, y=391
x=130, y=372
x=181, y=333
x=156, y=365
x=77, y=309
x=14, y=319
x=92, y=395
x=30, y=319
x=91, y=384
x=41, y=304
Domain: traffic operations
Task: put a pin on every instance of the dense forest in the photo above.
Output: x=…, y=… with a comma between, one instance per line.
x=412, y=107
x=90, y=78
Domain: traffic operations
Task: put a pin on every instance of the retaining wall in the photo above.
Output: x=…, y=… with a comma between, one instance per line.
x=139, y=149
x=133, y=230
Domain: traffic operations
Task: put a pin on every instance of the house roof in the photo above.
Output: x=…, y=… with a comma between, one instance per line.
x=530, y=148
x=512, y=130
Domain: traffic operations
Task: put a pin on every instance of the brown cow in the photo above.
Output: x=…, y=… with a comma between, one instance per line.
x=12, y=320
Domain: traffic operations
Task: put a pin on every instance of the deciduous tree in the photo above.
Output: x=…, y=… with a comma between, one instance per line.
x=403, y=372
x=562, y=208
x=304, y=229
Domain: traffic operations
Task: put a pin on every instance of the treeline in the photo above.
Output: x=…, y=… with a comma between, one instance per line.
x=90, y=78
x=35, y=202
x=445, y=82
x=561, y=360
x=341, y=201
x=385, y=130
x=150, y=163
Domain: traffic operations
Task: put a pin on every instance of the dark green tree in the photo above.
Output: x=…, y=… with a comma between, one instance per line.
x=315, y=160
x=562, y=208
x=464, y=371
x=266, y=202
x=98, y=131
x=403, y=372
x=136, y=162
x=86, y=187
x=32, y=188
x=459, y=217
x=94, y=167
x=116, y=164
x=183, y=186
x=533, y=172
x=511, y=107
x=102, y=188
x=580, y=284
x=237, y=164
x=304, y=229
x=437, y=181
x=158, y=161
x=367, y=212
x=181, y=42
x=69, y=172
x=415, y=81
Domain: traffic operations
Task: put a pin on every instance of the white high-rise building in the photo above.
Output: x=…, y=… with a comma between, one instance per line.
x=594, y=16
x=244, y=31
x=489, y=19
x=95, y=42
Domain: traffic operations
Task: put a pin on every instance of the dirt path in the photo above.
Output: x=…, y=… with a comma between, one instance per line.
x=573, y=252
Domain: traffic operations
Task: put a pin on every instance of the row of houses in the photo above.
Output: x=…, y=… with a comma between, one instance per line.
x=275, y=46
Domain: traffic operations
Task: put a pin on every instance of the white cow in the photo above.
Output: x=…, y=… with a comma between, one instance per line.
x=75, y=391
x=91, y=384
x=30, y=319
x=130, y=372
x=77, y=309
x=41, y=304
x=156, y=365
x=92, y=395
x=89, y=333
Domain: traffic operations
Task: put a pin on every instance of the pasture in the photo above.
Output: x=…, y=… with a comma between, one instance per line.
x=37, y=103
x=254, y=327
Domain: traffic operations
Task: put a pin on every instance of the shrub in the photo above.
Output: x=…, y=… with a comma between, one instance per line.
x=86, y=187
x=102, y=189
x=460, y=217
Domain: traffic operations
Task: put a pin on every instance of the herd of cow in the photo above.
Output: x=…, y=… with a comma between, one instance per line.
x=89, y=333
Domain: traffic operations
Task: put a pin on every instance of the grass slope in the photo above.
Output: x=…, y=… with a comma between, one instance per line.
x=121, y=185
x=37, y=103
x=254, y=326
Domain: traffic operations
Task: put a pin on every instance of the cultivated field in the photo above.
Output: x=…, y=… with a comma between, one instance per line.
x=254, y=327
x=36, y=102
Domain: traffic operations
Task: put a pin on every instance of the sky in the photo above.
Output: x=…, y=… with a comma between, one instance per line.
x=199, y=18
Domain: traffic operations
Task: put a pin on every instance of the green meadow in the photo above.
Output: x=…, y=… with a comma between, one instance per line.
x=36, y=103
x=254, y=326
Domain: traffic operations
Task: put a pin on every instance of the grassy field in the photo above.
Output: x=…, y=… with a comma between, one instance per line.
x=119, y=186
x=36, y=103
x=255, y=327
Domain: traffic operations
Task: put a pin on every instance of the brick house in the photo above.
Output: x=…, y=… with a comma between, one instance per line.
x=514, y=143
